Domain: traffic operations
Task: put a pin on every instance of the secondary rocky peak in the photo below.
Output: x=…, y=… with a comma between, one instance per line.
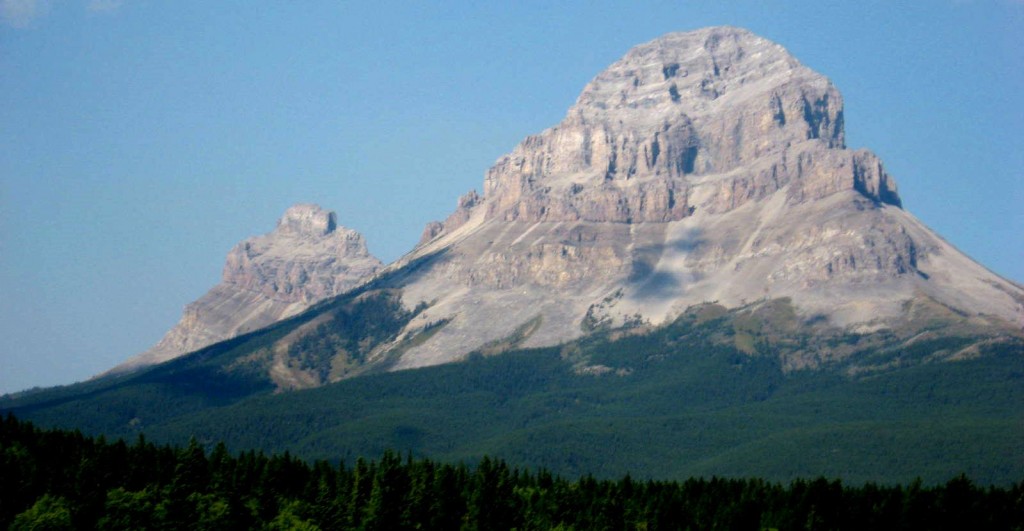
x=308, y=219
x=308, y=257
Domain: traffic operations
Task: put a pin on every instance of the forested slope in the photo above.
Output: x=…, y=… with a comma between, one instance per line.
x=668, y=403
x=63, y=480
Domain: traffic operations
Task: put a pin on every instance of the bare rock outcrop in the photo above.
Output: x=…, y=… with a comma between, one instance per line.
x=708, y=166
x=702, y=166
x=457, y=219
x=719, y=102
x=308, y=257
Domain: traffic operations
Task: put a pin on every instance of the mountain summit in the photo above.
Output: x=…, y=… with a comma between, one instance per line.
x=702, y=167
x=708, y=166
x=723, y=286
x=308, y=257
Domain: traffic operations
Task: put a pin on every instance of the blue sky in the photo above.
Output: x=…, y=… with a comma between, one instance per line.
x=140, y=140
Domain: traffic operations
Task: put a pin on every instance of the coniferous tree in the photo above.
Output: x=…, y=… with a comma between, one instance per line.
x=416, y=509
x=359, y=495
x=60, y=476
x=46, y=514
x=387, y=494
x=128, y=509
x=447, y=505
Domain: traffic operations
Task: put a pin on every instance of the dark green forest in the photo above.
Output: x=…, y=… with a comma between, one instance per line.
x=54, y=479
x=673, y=402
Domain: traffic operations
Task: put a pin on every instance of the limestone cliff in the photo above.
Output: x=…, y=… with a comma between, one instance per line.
x=306, y=258
x=708, y=166
x=702, y=166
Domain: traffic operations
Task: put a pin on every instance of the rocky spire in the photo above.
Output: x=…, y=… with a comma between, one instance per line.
x=306, y=258
x=307, y=219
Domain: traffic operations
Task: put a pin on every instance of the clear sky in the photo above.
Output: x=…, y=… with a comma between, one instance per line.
x=140, y=140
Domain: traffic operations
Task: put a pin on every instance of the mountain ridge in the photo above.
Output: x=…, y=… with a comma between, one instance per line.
x=702, y=166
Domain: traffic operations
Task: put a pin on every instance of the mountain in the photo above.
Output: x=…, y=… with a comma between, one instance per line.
x=308, y=257
x=702, y=166
x=707, y=166
x=690, y=274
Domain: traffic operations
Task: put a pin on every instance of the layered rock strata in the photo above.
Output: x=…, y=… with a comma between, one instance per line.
x=308, y=257
x=708, y=166
x=702, y=166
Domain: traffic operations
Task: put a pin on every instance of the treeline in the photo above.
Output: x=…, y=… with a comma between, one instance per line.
x=53, y=479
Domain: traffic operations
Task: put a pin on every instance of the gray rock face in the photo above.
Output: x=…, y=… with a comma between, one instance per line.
x=702, y=166
x=686, y=105
x=682, y=106
x=307, y=258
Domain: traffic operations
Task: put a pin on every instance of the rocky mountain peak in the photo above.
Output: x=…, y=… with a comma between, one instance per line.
x=707, y=166
x=668, y=116
x=682, y=80
x=308, y=219
x=686, y=73
x=702, y=166
x=308, y=257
